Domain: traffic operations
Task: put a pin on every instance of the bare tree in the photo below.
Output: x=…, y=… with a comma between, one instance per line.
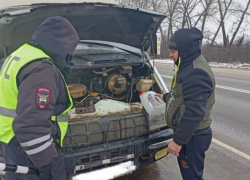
x=172, y=15
x=207, y=7
x=144, y=4
x=222, y=17
x=228, y=17
x=240, y=41
x=186, y=9
x=225, y=38
x=209, y=10
x=240, y=23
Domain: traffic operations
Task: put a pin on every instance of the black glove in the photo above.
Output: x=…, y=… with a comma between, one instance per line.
x=55, y=130
x=165, y=97
x=45, y=173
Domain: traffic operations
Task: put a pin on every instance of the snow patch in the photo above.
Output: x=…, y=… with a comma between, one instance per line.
x=166, y=61
x=228, y=65
x=108, y=173
x=212, y=64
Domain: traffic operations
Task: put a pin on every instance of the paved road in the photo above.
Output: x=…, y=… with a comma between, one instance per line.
x=229, y=155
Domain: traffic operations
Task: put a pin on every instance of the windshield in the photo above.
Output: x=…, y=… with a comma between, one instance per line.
x=90, y=53
x=93, y=49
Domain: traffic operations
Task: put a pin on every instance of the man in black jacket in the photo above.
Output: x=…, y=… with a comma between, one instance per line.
x=189, y=103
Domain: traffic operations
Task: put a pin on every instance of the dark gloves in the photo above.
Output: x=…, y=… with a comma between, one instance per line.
x=45, y=173
x=55, y=130
x=165, y=97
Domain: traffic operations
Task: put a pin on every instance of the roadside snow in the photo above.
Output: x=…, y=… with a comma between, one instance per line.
x=227, y=65
x=166, y=61
x=108, y=173
x=212, y=64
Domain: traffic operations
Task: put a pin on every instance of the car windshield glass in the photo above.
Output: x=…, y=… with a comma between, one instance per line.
x=93, y=49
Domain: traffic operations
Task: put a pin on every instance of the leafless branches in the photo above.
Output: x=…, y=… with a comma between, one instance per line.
x=224, y=23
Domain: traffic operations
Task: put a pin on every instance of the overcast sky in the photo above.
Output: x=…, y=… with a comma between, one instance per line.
x=212, y=24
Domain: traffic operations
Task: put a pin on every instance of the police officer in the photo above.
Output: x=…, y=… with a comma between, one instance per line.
x=35, y=101
x=189, y=103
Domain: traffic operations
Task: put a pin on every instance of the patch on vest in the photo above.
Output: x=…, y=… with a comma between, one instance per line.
x=42, y=97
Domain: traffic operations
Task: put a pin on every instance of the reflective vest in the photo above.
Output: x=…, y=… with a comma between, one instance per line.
x=9, y=91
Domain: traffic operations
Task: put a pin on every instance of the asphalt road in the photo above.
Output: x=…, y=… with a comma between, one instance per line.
x=229, y=155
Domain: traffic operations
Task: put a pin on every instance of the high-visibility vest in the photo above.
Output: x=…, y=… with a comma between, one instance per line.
x=9, y=91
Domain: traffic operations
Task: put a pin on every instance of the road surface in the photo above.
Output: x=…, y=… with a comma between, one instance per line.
x=229, y=155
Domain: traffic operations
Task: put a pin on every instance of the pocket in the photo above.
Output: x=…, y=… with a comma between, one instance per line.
x=175, y=116
x=207, y=139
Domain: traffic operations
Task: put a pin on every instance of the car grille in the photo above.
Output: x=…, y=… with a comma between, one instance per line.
x=99, y=160
x=105, y=130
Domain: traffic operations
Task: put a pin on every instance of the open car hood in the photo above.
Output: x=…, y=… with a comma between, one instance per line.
x=4, y=4
x=93, y=21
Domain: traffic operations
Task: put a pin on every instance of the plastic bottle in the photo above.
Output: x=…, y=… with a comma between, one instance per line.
x=155, y=107
x=152, y=104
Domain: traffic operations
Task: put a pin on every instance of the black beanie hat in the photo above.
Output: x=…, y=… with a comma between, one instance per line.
x=173, y=43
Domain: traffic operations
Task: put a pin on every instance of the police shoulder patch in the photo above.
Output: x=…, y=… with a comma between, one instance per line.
x=42, y=97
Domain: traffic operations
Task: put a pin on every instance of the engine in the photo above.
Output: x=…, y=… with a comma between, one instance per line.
x=124, y=84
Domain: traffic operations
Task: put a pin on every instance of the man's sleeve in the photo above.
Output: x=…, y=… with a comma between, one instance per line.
x=37, y=97
x=197, y=85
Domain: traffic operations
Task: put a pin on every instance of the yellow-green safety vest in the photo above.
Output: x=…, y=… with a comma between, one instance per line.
x=9, y=91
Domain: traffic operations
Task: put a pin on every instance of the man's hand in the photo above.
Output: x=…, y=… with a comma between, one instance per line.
x=174, y=149
x=159, y=95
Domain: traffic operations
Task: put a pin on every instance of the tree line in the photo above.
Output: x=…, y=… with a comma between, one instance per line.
x=224, y=23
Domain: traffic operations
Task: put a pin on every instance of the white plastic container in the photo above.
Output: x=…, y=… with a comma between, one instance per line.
x=155, y=107
x=151, y=103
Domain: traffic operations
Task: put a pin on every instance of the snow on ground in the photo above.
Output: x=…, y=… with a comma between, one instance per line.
x=212, y=64
x=166, y=61
x=108, y=173
x=227, y=65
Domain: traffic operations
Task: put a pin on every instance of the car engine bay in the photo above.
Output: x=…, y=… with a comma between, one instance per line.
x=110, y=84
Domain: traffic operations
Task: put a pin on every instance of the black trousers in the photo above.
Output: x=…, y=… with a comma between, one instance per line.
x=192, y=156
x=13, y=155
